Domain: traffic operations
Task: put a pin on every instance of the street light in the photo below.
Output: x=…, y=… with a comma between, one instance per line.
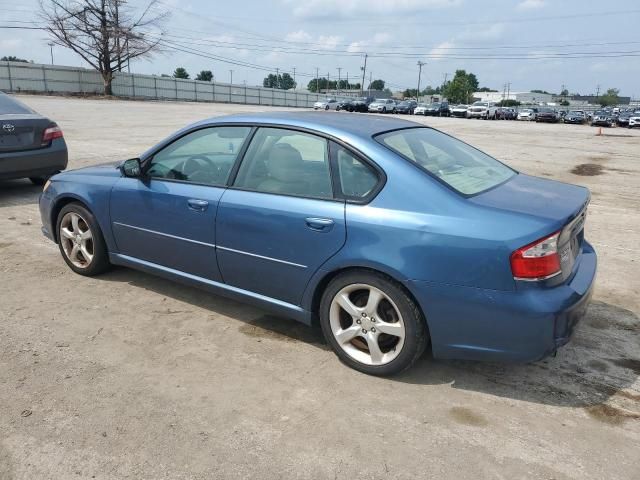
x=51, y=44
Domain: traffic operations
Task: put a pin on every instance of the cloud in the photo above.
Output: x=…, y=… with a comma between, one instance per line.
x=299, y=36
x=531, y=4
x=438, y=51
x=378, y=39
x=351, y=8
x=493, y=32
x=328, y=42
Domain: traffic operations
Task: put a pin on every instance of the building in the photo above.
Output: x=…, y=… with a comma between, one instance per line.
x=522, y=97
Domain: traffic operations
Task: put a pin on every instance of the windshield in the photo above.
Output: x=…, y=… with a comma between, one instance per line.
x=458, y=165
x=435, y=104
x=545, y=110
x=526, y=110
x=576, y=112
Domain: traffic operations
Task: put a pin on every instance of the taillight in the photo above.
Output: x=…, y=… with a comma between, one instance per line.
x=538, y=260
x=51, y=133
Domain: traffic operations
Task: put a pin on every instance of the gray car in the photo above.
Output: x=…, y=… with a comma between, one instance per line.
x=31, y=146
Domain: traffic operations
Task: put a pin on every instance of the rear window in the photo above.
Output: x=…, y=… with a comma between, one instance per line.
x=456, y=164
x=9, y=105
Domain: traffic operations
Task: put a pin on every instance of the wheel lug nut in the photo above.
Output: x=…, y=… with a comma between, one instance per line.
x=364, y=331
x=373, y=329
x=358, y=322
x=373, y=320
x=364, y=314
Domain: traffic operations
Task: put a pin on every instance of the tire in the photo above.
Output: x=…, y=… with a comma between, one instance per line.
x=384, y=109
x=93, y=244
x=326, y=107
x=395, y=309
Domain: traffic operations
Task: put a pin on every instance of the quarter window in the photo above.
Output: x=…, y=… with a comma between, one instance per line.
x=286, y=162
x=204, y=156
x=357, y=179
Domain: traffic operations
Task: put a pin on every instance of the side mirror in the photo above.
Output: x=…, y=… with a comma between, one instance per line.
x=131, y=168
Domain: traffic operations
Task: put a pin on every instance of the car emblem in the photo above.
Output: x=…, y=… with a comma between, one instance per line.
x=8, y=127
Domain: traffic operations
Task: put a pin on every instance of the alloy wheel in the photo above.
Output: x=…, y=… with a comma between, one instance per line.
x=76, y=240
x=366, y=324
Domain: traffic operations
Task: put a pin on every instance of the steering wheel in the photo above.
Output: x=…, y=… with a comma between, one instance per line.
x=197, y=163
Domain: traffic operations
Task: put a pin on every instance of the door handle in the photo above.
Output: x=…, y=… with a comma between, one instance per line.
x=319, y=224
x=197, y=205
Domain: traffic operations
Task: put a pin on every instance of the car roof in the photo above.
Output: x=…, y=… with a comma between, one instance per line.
x=327, y=122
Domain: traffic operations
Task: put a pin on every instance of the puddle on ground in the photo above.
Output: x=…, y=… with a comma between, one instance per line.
x=283, y=329
x=466, y=416
x=587, y=169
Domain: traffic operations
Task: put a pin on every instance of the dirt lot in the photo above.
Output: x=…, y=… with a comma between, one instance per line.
x=131, y=376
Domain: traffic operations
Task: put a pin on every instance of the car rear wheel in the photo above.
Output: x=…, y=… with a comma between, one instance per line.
x=372, y=324
x=80, y=240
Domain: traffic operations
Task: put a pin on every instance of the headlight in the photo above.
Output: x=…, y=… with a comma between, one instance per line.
x=46, y=185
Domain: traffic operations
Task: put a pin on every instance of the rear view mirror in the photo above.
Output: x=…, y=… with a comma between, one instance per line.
x=131, y=167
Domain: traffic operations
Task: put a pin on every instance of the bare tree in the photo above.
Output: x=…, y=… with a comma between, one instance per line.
x=105, y=33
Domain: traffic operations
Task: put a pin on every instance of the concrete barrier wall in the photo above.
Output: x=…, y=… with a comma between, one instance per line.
x=30, y=77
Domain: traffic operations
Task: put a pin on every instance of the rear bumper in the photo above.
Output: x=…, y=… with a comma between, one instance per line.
x=34, y=163
x=523, y=325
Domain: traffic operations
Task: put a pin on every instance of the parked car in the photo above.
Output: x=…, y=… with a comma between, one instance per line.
x=420, y=109
x=602, y=118
x=328, y=104
x=546, y=114
x=486, y=110
x=271, y=209
x=406, y=107
x=634, y=120
x=343, y=105
x=577, y=117
x=527, y=114
x=31, y=145
x=438, y=109
x=622, y=120
x=361, y=104
x=510, y=114
x=459, y=111
x=383, y=105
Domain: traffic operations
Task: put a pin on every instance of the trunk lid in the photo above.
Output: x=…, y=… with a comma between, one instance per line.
x=21, y=132
x=555, y=205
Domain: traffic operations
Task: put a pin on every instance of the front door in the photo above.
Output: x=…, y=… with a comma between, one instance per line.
x=167, y=217
x=279, y=222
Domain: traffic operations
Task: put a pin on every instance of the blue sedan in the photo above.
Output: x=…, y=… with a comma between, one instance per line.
x=391, y=235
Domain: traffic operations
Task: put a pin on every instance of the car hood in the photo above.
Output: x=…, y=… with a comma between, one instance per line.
x=543, y=199
x=109, y=169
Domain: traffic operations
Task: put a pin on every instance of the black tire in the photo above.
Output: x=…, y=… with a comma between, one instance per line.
x=41, y=180
x=326, y=107
x=100, y=262
x=416, y=334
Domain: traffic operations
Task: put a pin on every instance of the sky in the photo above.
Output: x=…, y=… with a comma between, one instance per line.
x=529, y=44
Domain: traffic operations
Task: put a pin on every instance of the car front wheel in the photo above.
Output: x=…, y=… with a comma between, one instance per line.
x=372, y=324
x=80, y=240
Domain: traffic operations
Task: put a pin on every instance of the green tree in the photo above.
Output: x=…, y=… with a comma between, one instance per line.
x=508, y=103
x=180, y=72
x=485, y=89
x=564, y=93
x=540, y=91
x=282, y=81
x=564, y=103
x=205, y=76
x=377, y=85
x=609, y=98
x=11, y=58
x=460, y=89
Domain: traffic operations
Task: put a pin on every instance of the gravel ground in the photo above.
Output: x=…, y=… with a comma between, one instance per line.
x=130, y=376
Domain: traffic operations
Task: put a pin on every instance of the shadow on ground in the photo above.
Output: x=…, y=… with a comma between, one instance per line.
x=18, y=192
x=602, y=360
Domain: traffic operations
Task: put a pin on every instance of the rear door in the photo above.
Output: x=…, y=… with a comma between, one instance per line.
x=280, y=221
x=167, y=217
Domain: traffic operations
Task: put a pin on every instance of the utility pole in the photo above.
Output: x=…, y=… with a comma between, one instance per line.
x=317, y=81
x=348, y=86
x=444, y=83
x=370, y=80
x=364, y=72
x=508, y=90
x=598, y=92
x=328, y=83
x=420, y=64
x=51, y=44
x=231, y=72
x=277, y=77
x=294, y=76
x=339, y=72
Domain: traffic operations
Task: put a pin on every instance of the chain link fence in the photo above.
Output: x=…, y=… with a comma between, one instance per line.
x=30, y=77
